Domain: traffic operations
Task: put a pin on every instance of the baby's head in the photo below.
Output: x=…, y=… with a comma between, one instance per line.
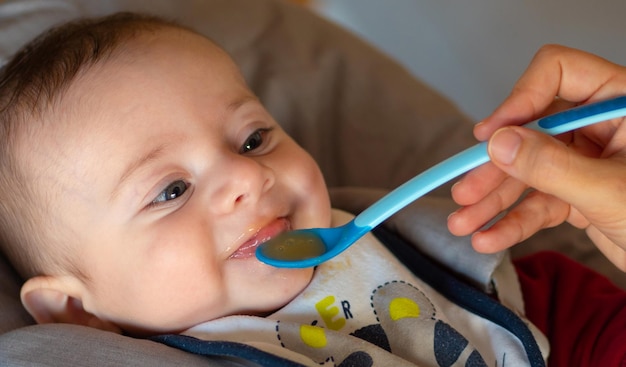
x=138, y=174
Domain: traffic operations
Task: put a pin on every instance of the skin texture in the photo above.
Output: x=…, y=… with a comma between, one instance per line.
x=578, y=177
x=165, y=172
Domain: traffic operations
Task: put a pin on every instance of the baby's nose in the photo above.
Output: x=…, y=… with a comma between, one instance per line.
x=243, y=181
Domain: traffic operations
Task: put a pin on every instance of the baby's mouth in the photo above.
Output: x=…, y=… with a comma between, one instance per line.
x=272, y=229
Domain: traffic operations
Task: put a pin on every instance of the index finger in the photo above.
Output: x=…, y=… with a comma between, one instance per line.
x=556, y=78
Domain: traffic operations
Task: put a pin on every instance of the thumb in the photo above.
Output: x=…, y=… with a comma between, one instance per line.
x=548, y=165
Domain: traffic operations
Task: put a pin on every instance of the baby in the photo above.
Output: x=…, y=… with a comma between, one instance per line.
x=147, y=175
x=148, y=171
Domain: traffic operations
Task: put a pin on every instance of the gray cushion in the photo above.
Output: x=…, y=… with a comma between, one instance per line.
x=77, y=346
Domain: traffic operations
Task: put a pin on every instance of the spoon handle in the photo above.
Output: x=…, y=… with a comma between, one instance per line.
x=476, y=155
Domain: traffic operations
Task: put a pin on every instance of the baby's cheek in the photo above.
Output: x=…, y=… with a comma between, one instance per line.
x=305, y=180
x=269, y=289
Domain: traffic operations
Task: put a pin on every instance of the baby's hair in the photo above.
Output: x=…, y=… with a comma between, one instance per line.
x=30, y=85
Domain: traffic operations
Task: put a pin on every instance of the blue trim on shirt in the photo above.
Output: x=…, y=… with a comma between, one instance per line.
x=461, y=293
x=224, y=349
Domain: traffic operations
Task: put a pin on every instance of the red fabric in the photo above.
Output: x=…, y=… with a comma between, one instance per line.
x=582, y=313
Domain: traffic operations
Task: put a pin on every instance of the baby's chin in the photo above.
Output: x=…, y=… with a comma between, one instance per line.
x=276, y=293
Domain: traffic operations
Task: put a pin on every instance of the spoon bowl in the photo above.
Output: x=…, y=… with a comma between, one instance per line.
x=310, y=247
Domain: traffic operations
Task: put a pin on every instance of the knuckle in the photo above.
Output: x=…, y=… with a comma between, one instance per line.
x=519, y=227
x=614, y=182
x=549, y=164
x=550, y=50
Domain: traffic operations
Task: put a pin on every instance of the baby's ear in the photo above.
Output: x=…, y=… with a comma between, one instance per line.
x=51, y=299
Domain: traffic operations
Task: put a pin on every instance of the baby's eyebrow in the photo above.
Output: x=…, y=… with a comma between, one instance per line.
x=233, y=106
x=135, y=165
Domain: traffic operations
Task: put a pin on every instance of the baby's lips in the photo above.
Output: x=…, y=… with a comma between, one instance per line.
x=272, y=229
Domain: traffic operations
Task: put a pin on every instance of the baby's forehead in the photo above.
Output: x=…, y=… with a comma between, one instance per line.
x=167, y=39
x=149, y=49
x=146, y=47
x=136, y=65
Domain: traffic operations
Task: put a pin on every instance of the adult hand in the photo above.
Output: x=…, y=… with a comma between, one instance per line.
x=579, y=177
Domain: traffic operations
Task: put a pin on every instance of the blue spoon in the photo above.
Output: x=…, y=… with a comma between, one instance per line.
x=309, y=247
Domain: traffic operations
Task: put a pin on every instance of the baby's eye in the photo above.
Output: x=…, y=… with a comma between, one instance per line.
x=254, y=141
x=171, y=192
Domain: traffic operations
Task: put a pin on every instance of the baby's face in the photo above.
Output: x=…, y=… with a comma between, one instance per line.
x=167, y=173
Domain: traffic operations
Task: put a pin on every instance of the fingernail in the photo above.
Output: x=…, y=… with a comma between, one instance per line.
x=454, y=186
x=504, y=145
x=478, y=125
